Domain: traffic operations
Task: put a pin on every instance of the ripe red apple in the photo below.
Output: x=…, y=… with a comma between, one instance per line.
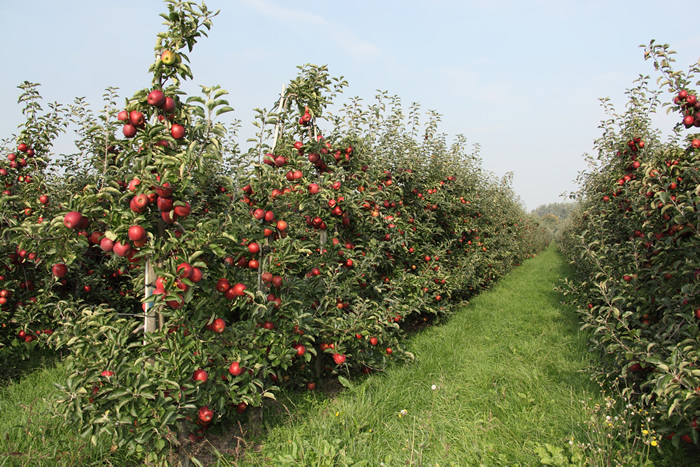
x=165, y=204
x=139, y=203
x=106, y=244
x=121, y=249
x=107, y=373
x=239, y=289
x=196, y=275
x=253, y=247
x=235, y=369
x=259, y=213
x=314, y=188
x=169, y=217
x=301, y=350
x=123, y=116
x=183, y=211
x=205, y=414
x=200, y=375
x=269, y=325
x=695, y=144
x=72, y=220
x=177, y=131
x=218, y=325
x=168, y=105
x=43, y=199
x=373, y=340
x=223, y=285
x=137, y=233
x=282, y=226
x=339, y=358
x=137, y=119
x=184, y=270
x=269, y=216
x=156, y=98
x=59, y=270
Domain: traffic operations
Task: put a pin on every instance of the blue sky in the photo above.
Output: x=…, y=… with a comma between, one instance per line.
x=520, y=78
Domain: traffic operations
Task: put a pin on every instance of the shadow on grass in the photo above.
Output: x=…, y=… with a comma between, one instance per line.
x=16, y=363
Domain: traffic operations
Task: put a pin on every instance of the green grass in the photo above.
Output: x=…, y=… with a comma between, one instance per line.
x=30, y=434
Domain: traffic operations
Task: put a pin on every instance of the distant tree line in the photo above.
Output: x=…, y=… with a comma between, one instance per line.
x=561, y=210
x=552, y=216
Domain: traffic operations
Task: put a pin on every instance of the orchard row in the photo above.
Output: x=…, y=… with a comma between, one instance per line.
x=634, y=242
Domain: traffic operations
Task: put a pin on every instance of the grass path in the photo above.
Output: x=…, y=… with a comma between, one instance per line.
x=500, y=379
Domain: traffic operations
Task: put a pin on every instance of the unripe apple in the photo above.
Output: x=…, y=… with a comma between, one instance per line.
x=168, y=57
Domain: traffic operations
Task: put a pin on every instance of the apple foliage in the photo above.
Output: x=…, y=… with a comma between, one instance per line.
x=634, y=243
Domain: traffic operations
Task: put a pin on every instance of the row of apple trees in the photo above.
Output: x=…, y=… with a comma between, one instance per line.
x=636, y=249
x=188, y=281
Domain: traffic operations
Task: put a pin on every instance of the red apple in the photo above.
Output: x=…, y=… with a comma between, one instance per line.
x=218, y=325
x=137, y=233
x=239, y=289
x=137, y=119
x=339, y=359
x=196, y=275
x=121, y=249
x=177, y=131
x=59, y=270
x=139, y=203
x=183, y=211
x=235, y=369
x=184, y=270
x=168, y=105
x=106, y=244
x=156, y=98
x=200, y=375
x=72, y=220
x=205, y=414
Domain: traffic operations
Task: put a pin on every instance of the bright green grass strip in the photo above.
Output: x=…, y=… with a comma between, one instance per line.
x=507, y=376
